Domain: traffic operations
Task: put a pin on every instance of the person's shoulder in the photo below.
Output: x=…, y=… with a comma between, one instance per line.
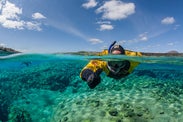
x=132, y=53
x=104, y=52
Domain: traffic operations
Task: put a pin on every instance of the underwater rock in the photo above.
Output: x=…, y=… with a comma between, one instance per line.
x=127, y=106
x=139, y=114
x=4, y=112
x=129, y=113
x=102, y=113
x=65, y=119
x=113, y=112
x=19, y=115
x=162, y=112
x=94, y=103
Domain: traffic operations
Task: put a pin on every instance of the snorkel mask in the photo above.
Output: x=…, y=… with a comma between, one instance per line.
x=116, y=66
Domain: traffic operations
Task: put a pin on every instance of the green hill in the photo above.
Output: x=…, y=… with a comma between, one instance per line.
x=7, y=51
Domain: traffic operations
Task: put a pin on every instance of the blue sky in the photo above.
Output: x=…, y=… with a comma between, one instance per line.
x=46, y=26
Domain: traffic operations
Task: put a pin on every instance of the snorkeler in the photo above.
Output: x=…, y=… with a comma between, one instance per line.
x=114, y=69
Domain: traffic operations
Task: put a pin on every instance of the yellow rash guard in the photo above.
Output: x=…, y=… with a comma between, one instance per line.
x=95, y=65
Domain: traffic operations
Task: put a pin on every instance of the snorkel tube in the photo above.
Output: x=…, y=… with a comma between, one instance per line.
x=109, y=50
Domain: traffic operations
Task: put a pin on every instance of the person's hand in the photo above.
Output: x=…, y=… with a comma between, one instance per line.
x=93, y=80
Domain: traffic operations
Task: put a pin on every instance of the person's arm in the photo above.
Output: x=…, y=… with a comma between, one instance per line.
x=91, y=73
x=132, y=53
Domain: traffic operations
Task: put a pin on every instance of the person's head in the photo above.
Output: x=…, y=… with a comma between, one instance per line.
x=115, y=66
x=116, y=49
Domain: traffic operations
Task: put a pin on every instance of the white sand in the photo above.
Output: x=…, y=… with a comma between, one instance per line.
x=136, y=104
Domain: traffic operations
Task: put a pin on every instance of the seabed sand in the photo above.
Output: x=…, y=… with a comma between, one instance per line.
x=132, y=101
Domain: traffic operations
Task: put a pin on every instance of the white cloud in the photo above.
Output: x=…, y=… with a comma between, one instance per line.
x=168, y=20
x=176, y=27
x=170, y=44
x=116, y=10
x=10, y=11
x=122, y=42
x=103, y=22
x=33, y=26
x=139, y=38
x=95, y=41
x=38, y=16
x=10, y=17
x=10, y=24
x=90, y=4
x=143, y=37
x=106, y=27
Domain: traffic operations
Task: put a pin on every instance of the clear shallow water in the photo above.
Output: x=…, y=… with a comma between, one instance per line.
x=47, y=87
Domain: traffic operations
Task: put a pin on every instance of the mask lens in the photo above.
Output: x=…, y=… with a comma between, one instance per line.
x=116, y=64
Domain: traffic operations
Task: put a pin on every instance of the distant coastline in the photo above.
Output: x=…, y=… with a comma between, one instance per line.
x=169, y=53
x=7, y=51
x=93, y=53
x=162, y=54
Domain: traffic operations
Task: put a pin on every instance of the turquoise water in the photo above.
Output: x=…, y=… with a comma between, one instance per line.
x=47, y=88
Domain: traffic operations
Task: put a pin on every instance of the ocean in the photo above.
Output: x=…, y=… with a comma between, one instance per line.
x=48, y=88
